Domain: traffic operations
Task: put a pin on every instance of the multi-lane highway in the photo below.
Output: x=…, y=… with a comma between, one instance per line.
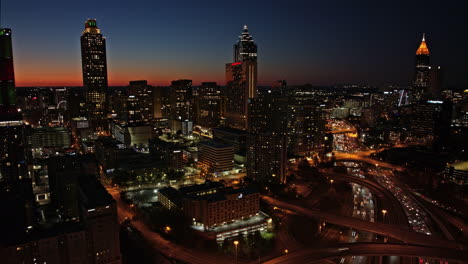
x=369, y=249
x=393, y=231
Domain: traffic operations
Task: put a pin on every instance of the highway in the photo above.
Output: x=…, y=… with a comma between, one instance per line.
x=369, y=249
x=361, y=157
x=389, y=202
x=393, y=231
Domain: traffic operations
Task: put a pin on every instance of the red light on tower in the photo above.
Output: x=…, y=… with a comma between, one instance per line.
x=236, y=63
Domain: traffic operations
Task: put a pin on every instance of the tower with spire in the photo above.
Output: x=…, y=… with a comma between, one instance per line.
x=245, y=49
x=422, y=68
x=241, y=81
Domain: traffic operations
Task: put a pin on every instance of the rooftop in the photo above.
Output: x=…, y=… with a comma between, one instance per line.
x=93, y=192
x=200, y=187
x=230, y=130
x=215, y=144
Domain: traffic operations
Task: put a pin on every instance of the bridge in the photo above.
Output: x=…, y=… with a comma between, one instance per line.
x=370, y=249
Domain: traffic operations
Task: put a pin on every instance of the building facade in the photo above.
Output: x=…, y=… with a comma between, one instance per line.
x=215, y=156
x=210, y=105
x=422, y=68
x=241, y=81
x=94, y=65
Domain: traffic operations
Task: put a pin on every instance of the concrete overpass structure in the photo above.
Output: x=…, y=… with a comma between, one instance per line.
x=392, y=231
x=370, y=249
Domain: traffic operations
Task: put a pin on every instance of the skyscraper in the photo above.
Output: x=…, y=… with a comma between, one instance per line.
x=436, y=75
x=94, y=63
x=7, y=76
x=267, y=139
x=241, y=81
x=12, y=146
x=15, y=187
x=421, y=74
x=210, y=105
x=245, y=49
x=181, y=100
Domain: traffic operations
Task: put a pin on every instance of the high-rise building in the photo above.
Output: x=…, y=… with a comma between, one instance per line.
x=210, y=105
x=306, y=127
x=241, y=81
x=7, y=75
x=421, y=74
x=267, y=139
x=158, y=101
x=144, y=103
x=436, y=76
x=94, y=64
x=12, y=146
x=245, y=49
x=134, y=105
x=181, y=100
x=430, y=123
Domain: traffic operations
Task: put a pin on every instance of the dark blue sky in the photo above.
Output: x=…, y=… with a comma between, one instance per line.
x=318, y=42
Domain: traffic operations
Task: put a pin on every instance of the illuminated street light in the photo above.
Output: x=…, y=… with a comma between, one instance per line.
x=236, y=243
x=384, y=212
x=286, y=251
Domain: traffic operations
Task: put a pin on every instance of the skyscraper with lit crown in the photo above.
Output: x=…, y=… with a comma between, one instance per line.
x=421, y=74
x=94, y=63
x=241, y=81
x=245, y=49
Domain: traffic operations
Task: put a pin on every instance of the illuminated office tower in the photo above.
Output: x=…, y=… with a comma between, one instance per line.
x=210, y=105
x=93, y=58
x=421, y=74
x=241, y=81
x=181, y=100
x=267, y=139
x=245, y=49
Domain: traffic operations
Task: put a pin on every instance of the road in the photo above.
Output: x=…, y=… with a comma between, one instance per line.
x=369, y=249
x=393, y=231
x=407, y=194
x=361, y=157
x=389, y=202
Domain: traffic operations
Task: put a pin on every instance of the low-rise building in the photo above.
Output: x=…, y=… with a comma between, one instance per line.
x=218, y=211
x=216, y=156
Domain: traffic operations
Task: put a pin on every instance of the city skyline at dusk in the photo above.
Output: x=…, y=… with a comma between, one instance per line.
x=246, y=132
x=316, y=43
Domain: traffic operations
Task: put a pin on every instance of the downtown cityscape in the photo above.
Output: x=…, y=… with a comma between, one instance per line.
x=165, y=153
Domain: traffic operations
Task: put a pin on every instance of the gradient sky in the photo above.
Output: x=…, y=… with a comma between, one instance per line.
x=318, y=42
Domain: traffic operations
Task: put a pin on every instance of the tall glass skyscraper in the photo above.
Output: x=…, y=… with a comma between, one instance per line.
x=245, y=49
x=241, y=81
x=94, y=63
x=421, y=74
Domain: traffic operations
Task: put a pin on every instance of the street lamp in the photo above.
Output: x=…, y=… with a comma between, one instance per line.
x=236, y=243
x=286, y=251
